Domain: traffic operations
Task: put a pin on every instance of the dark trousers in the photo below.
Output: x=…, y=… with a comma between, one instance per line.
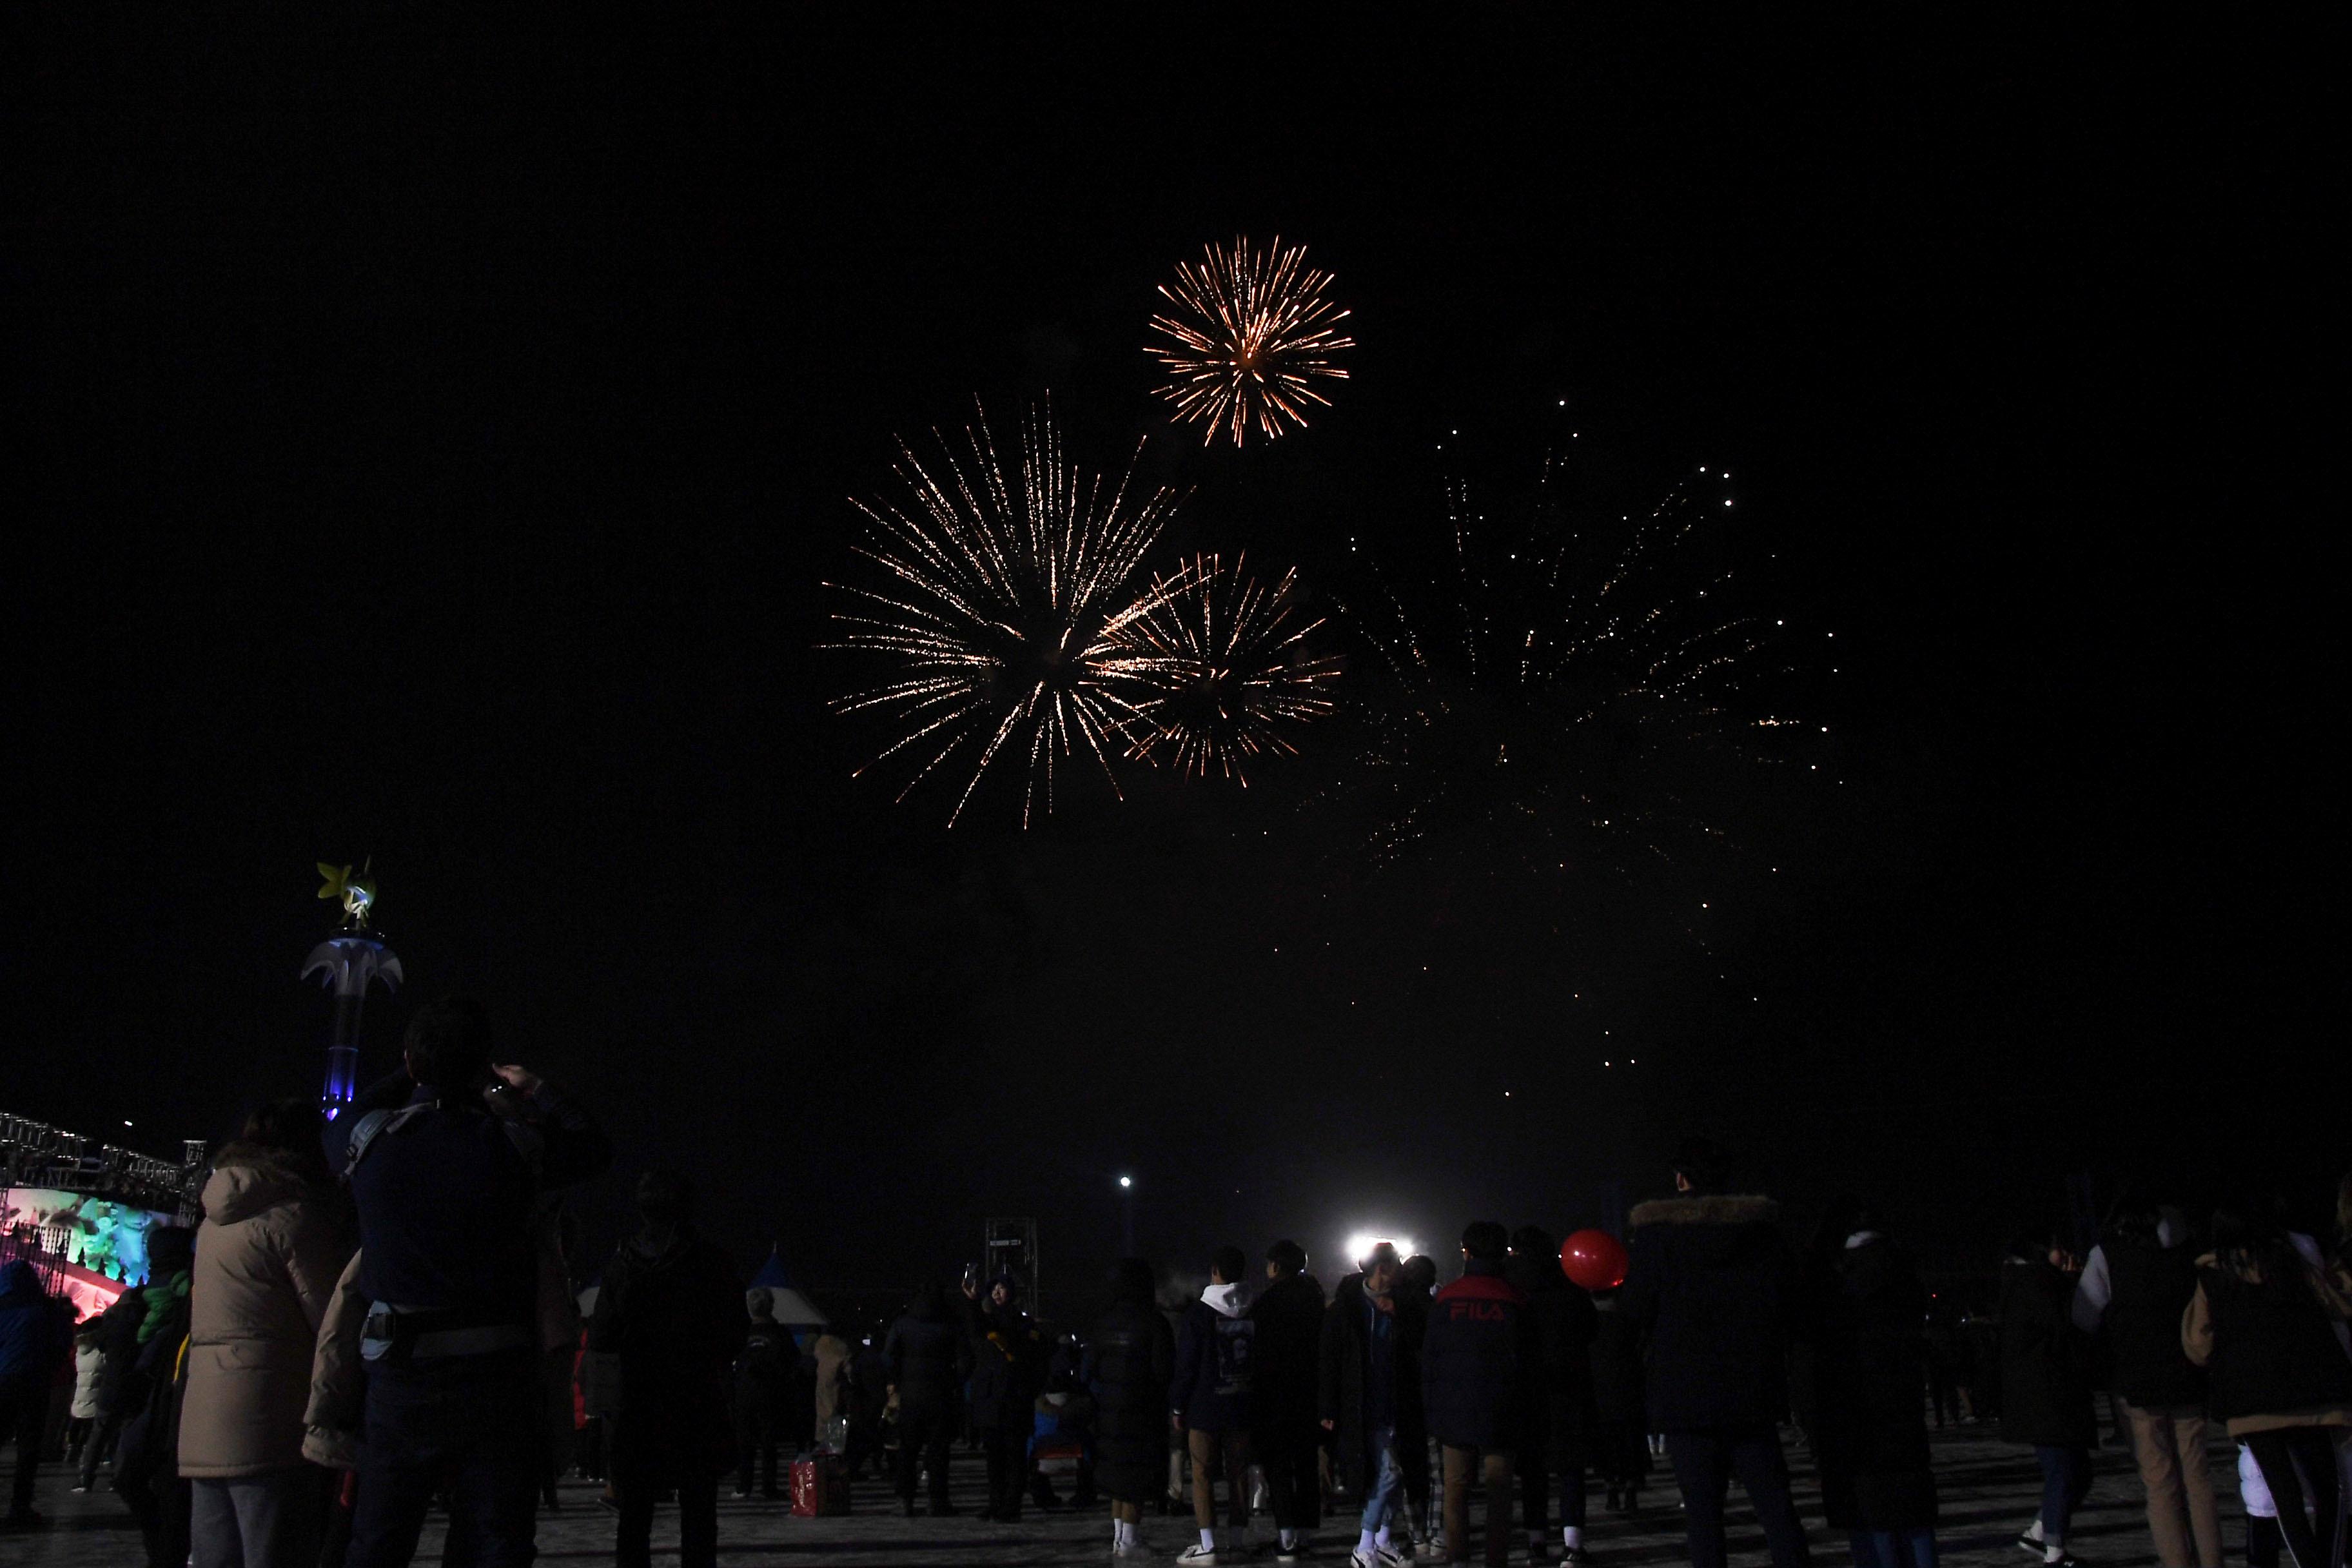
x=1412, y=1458
x=1705, y=1460
x=1535, y=1469
x=1294, y=1483
x=102, y=1434
x=1008, y=1467
x=2316, y=1542
x=698, y=1521
x=470, y=1423
x=757, y=1429
x=923, y=1437
x=2065, y=1482
x=24, y=1415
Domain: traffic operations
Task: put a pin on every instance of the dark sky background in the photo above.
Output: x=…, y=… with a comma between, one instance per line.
x=430, y=446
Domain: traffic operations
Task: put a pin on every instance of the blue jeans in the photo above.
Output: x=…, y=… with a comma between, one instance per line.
x=2065, y=1481
x=272, y=1520
x=470, y=1423
x=1379, y=1498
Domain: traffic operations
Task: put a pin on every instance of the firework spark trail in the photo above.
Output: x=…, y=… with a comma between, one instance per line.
x=1225, y=668
x=1008, y=622
x=1616, y=679
x=1250, y=332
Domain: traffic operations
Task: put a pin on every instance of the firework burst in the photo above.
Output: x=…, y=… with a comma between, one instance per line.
x=1225, y=665
x=1577, y=700
x=1250, y=333
x=1005, y=626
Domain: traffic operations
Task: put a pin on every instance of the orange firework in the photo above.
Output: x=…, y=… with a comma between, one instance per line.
x=1224, y=667
x=1251, y=333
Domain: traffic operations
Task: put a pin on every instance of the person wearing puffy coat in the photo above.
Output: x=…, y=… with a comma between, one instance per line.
x=89, y=1366
x=272, y=1245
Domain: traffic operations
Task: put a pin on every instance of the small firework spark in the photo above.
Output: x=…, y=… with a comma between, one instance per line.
x=1577, y=700
x=1250, y=332
x=1228, y=667
x=1008, y=625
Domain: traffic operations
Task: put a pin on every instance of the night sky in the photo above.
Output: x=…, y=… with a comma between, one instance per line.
x=431, y=447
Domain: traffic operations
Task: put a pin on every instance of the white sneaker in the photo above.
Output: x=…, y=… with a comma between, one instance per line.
x=1390, y=1557
x=1204, y=1555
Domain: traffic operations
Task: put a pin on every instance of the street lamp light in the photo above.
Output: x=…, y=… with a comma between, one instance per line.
x=1127, y=1217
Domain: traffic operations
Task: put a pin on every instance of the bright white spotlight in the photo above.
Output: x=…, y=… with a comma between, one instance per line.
x=1360, y=1245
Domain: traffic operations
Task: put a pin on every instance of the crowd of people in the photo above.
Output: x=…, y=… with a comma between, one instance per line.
x=377, y=1318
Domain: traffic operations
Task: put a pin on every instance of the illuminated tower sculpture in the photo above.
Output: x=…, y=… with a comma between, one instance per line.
x=350, y=962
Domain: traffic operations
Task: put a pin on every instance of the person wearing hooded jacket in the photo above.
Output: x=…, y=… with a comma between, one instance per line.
x=32, y=1339
x=1712, y=1285
x=1209, y=1399
x=671, y=1310
x=1008, y=1373
x=117, y=1332
x=1289, y=1318
x=1557, y=1436
x=1127, y=1367
x=2267, y=1322
x=273, y=1242
x=828, y=1357
x=1870, y=1432
x=89, y=1365
x=926, y=1358
x=2045, y=1382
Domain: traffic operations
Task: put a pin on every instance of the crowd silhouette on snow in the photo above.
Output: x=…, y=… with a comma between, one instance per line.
x=377, y=1315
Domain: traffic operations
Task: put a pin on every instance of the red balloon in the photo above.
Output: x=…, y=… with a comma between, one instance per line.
x=1594, y=1259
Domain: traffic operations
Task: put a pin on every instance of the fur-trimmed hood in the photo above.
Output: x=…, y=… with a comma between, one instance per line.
x=248, y=1180
x=1719, y=1208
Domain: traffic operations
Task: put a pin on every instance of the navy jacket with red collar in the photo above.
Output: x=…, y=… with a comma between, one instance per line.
x=1478, y=1359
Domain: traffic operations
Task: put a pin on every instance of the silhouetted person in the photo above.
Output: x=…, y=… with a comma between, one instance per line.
x=2136, y=1284
x=926, y=1357
x=32, y=1339
x=1870, y=1433
x=1128, y=1364
x=1008, y=1369
x=1367, y=1396
x=273, y=1243
x=671, y=1310
x=2045, y=1382
x=1558, y=1427
x=1479, y=1372
x=2260, y=1323
x=1210, y=1397
x=1713, y=1287
x=760, y=1380
x=1284, y=1433
x=446, y=1187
